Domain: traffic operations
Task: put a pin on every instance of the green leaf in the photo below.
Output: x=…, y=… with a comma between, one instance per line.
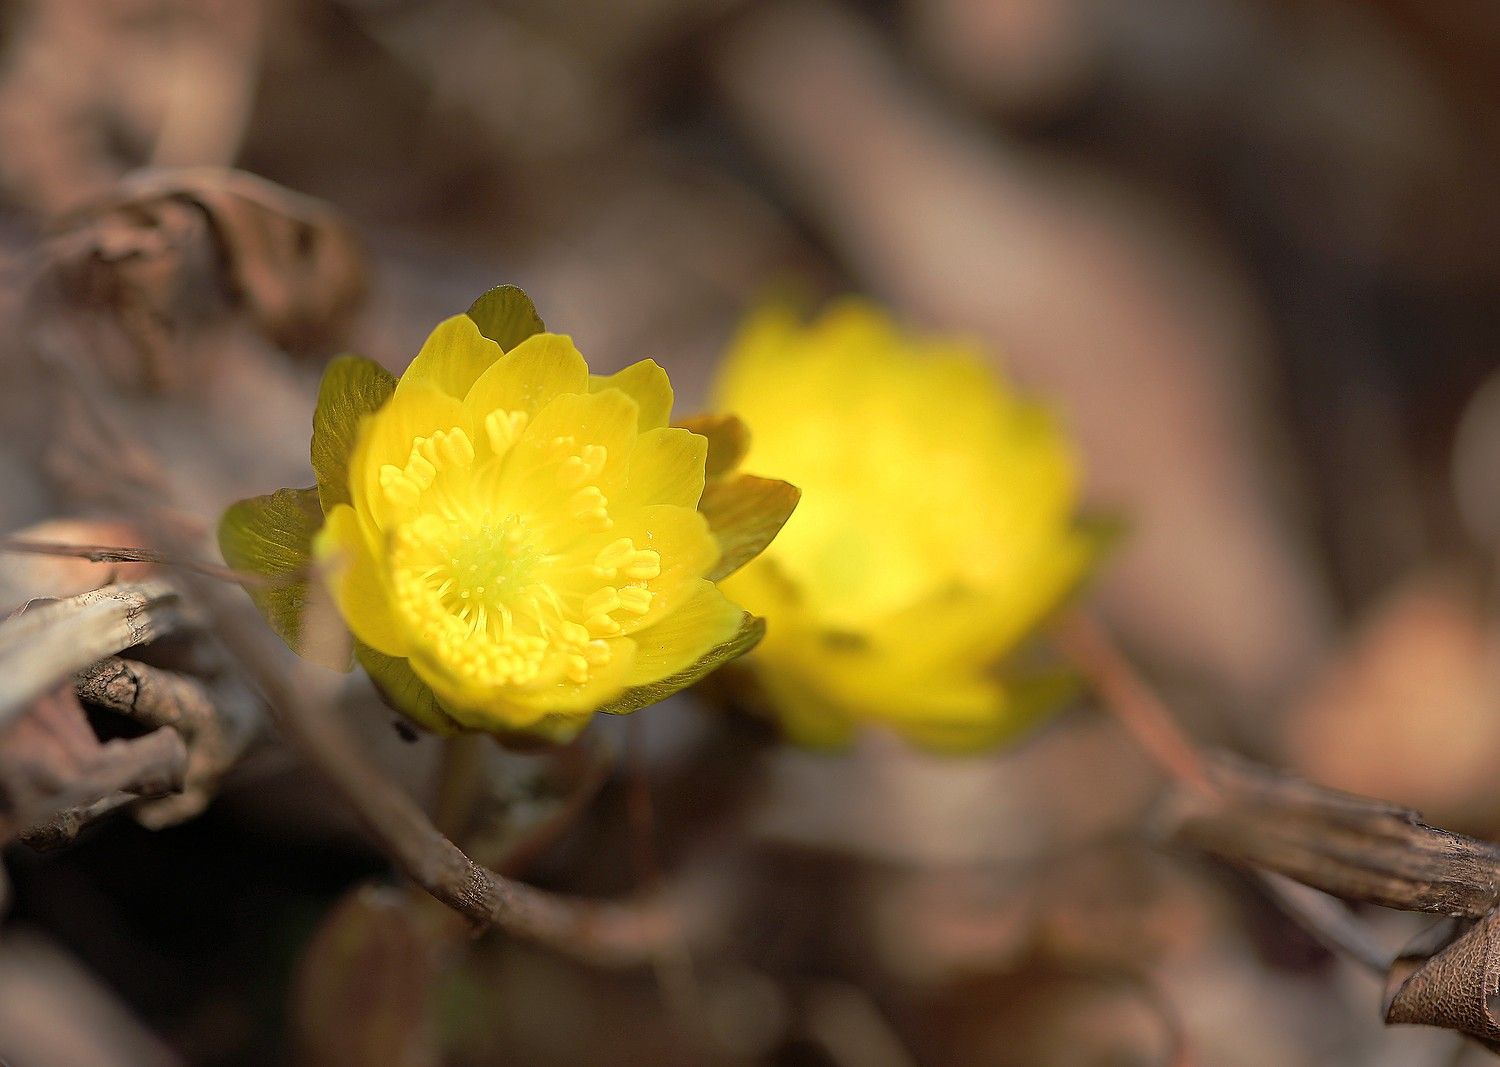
x=271, y=537
x=352, y=388
x=751, y=630
x=745, y=513
x=506, y=316
x=400, y=687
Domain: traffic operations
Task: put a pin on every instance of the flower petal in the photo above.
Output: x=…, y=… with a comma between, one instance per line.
x=528, y=377
x=387, y=437
x=495, y=708
x=704, y=620
x=569, y=424
x=604, y=683
x=452, y=358
x=343, y=549
x=645, y=383
x=666, y=467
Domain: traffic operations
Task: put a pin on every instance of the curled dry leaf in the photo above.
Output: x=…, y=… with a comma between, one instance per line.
x=216, y=725
x=170, y=251
x=1456, y=987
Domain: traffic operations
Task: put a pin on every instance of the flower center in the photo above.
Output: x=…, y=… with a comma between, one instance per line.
x=499, y=593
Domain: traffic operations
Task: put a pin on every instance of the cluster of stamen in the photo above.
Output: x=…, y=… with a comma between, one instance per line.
x=404, y=486
x=497, y=603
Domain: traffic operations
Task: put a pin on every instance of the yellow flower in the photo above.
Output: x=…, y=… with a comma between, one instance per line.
x=937, y=530
x=513, y=542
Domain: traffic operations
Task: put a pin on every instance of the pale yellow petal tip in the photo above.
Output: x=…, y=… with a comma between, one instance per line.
x=923, y=471
x=647, y=384
x=452, y=357
x=516, y=528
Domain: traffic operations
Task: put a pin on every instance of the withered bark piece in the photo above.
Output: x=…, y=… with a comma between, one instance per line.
x=216, y=725
x=171, y=250
x=45, y=644
x=1355, y=848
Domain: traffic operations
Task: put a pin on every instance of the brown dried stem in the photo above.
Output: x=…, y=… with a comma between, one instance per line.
x=1289, y=832
x=522, y=853
x=1132, y=702
x=1352, y=847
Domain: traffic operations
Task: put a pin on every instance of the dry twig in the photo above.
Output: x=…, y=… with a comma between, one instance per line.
x=119, y=554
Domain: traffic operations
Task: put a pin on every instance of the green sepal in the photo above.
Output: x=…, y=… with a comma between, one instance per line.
x=352, y=388
x=745, y=513
x=399, y=686
x=751, y=630
x=506, y=315
x=728, y=441
x=270, y=537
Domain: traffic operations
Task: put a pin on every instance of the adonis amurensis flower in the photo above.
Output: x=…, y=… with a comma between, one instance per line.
x=513, y=542
x=936, y=532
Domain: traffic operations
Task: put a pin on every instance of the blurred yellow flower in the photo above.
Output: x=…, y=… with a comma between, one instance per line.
x=936, y=533
x=514, y=543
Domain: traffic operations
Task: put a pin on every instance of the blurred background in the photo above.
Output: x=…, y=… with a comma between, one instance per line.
x=1250, y=248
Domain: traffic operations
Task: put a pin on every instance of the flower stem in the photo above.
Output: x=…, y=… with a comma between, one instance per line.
x=460, y=782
